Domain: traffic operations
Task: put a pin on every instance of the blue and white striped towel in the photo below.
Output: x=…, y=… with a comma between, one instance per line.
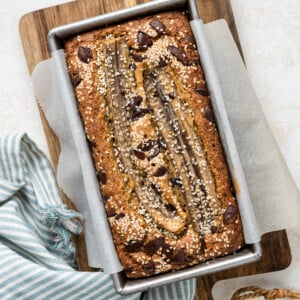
x=37, y=254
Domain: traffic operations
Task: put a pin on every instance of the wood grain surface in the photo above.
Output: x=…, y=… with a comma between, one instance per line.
x=33, y=29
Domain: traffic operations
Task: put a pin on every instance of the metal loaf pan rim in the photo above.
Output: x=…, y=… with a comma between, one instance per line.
x=123, y=285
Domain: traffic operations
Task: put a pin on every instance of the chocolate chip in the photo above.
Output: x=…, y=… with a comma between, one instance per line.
x=202, y=91
x=139, y=154
x=158, y=26
x=190, y=39
x=128, y=269
x=144, y=174
x=180, y=55
x=170, y=207
x=76, y=81
x=111, y=212
x=132, y=66
x=138, y=57
x=154, y=152
x=179, y=257
x=120, y=216
x=147, y=145
x=161, y=171
x=203, y=244
x=133, y=246
x=149, y=266
x=176, y=181
x=102, y=177
x=152, y=246
x=136, y=101
x=162, y=62
x=105, y=197
x=92, y=143
x=139, y=113
x=216, y=229
x=144, y=40
x=76, y=78
x=172, y=95
x=156, y=189
x=230, y=213
x=85, y=54
x=167, y=250
x=208, y=114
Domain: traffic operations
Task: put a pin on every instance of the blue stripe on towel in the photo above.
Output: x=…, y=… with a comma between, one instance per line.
x=37, y=254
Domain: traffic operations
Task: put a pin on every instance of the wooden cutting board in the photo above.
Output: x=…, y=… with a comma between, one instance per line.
x=33, y=30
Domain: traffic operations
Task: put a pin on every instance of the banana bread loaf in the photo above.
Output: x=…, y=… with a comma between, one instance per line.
x=142, y=97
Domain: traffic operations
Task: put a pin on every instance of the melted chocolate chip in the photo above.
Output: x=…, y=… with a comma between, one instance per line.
x=85, y=54
x=208, y=114
x=167, y=250
x=120, y=216
x=179, y=257
x=180, y=55
x=162, y=62
x=176, y=181
x=128, y=269
x=152, y=246
x=138, y=57
x=216, y=229
x=144, y=40
x=156, y=189
x=132, y=66
x=76, y=78
x=92, y=143
x=144, y=174
x=140, y=155
x=102, y=177
x=203, y=244
x=76, y=81
x=149, y=266
x=133, y=246
x=202, y=91
x=139, y=113
x=111, y=212
x=136, y=101
x=105, y=197
x=230, y=213
x=190, y=39
x=154, y=152
x=171, y=208
x=147, y=145
x=172, y=95
x=161, y=171
x=158, y=26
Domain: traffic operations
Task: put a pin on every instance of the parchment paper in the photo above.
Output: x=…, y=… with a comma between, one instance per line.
x=48, y=87
x=274, y=195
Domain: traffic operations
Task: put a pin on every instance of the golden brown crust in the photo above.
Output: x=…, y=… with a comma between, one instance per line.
x=143, y=101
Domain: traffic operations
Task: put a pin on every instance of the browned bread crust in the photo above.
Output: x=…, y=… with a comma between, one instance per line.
x=143, y=100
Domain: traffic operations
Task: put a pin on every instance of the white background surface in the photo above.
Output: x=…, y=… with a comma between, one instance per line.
x=270, y=36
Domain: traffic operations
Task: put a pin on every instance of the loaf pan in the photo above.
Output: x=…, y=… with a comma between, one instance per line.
x=252, y=251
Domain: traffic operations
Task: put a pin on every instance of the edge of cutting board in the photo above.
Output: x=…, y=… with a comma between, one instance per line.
x=33, y=28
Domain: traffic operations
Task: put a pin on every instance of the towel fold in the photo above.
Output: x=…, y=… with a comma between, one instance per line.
x=37, y=254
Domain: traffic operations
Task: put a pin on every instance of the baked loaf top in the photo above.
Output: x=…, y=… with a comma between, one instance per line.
x=143, y=100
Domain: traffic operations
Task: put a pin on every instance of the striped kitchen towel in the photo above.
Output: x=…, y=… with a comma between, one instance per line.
x=37, y=254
